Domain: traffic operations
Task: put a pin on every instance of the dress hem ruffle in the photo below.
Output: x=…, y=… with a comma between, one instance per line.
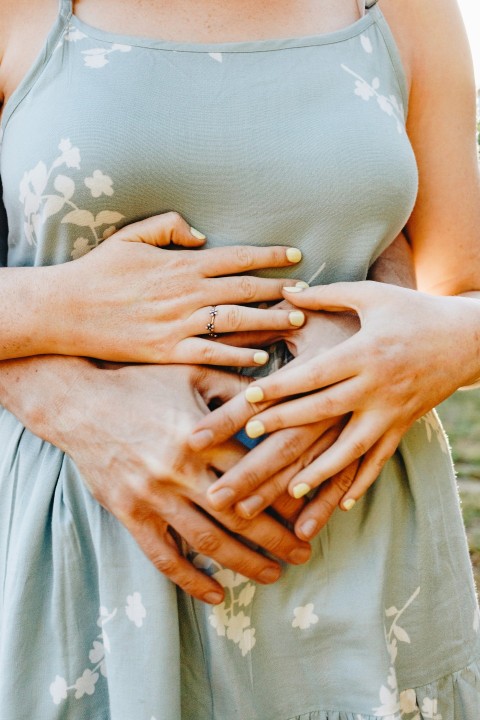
x=452, y=697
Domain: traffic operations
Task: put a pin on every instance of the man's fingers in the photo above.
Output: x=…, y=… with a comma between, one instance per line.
x=152, y=537
x=258, y=470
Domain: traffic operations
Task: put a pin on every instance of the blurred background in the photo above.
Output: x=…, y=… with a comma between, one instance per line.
x=460, y=414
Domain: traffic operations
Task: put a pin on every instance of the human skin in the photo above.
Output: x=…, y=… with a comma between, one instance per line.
x=287, y=19
x=392, y=370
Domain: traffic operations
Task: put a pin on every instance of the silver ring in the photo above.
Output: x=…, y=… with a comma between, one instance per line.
x=211, y=325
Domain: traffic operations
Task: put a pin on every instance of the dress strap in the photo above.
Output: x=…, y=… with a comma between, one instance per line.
x=65, y=7
x=370, y=3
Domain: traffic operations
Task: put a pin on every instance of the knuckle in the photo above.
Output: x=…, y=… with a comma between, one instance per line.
x=343, y=481
x=323, y=404
x=244, y=257
x=165, y=563
x=234, y=318
x=312, y=376
x=251, y=479
x=359, y=448
x=289, y=449
x=208, y=353
x=174, y=219
x=206, y=542
x=247, y=288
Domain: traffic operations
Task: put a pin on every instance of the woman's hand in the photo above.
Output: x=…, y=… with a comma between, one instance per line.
x=258, y=479
x=264, y=474
x=130, y=300
x=126, y=429
x=412, y=351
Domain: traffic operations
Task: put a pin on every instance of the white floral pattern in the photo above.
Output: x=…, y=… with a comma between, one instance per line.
x=403, y=705
x=304, y=617
x=86, y=683
x=95, y=58
x=366, y=90
x=39, y=204
x=231, y=618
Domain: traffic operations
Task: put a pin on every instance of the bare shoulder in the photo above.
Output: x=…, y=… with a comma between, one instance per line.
x=24, y=26
x=432, y=41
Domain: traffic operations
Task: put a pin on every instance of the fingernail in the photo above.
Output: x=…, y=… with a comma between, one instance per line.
x=302, y=284
x=221, y=497
x=348, y=504
x=198, y=234
x=299, y=556
x=213, y=598
x=254, y=394
x=296, y=318
x=300, y=490
x=294, y=255
x=309, y=528
x=294, y=289
x=261, y=357
x=254, y=429
x=251, y=505
x=269, y=575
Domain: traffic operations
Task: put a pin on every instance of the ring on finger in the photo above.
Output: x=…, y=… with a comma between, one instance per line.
x=211, y=325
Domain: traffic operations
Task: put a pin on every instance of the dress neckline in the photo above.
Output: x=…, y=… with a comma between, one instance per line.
x=240, y=46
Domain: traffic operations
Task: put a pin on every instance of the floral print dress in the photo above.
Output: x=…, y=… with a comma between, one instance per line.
x=293, y=140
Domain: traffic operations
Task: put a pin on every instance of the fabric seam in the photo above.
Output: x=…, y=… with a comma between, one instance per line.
x=36, y=69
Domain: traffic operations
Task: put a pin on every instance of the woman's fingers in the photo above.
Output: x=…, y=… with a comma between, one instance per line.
x=234, y=259
x=161, y=230
x=320, y=508
x=259, y=469
x=329, y=403
x=153, y=537
x=242, y=289
x=371, y=466
x=269, y=491
x=234, y=318
x=336, y=297
x=194, y=350
x=361, y=432
x=224, y=422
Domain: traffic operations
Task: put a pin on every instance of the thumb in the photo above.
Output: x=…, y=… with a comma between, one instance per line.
x=161, y=230
x=220, y=385
x=336, y=297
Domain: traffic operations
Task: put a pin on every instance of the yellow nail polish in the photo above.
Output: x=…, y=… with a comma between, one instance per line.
x=296, y=318
x=198, y=234
x=293, y=289
x=294, y=255
x=254, y=394
x=300, y=490
x=302, y=284
x=348, y=504
x=261, y=357
x=254, y=429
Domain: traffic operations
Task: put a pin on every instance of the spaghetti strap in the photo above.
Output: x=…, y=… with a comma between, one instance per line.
x=370, y=3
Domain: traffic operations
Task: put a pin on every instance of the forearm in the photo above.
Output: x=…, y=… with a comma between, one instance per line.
x=36, y=390
x=395, y=265
x=29, y=311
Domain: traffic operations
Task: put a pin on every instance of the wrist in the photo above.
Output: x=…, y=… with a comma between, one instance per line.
x=40, y=390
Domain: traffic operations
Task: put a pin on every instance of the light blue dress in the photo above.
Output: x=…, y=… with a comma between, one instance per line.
x=292, y=141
